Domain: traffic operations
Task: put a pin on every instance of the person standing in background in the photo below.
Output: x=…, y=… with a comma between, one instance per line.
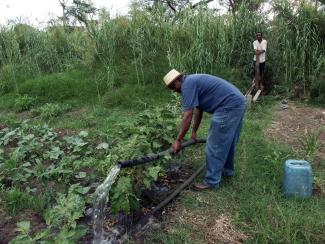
x=260, y=46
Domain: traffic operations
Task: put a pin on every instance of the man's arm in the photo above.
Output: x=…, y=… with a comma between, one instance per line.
x=197, y=122
x=264, y=45
x=258, y=52
x=185, y=125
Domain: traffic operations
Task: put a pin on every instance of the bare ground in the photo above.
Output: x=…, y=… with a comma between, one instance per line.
x=294, y=122
x=211, y=228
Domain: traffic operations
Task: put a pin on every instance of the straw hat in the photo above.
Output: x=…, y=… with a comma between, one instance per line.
x=171, y=76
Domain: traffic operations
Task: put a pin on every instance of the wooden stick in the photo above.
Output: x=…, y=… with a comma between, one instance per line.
x=249, y=91
x=257, y=95
x=257, y=76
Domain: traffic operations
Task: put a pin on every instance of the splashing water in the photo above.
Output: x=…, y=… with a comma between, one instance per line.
x=101, y=194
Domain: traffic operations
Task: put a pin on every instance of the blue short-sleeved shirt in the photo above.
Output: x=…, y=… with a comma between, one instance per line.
x=209, y=93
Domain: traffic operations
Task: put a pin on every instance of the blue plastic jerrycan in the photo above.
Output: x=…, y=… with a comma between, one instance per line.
x=298, y=178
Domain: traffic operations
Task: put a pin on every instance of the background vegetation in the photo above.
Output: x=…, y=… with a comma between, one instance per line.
x=150, y=40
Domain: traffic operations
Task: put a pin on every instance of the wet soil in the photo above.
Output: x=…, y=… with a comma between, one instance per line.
x=175, y=175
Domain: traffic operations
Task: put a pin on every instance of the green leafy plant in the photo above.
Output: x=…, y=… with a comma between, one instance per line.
x=15, y=173
x=61, y=220
x=122, y=198
x=151, y=175
x=39, y=153
x=152, y=131
x=25, y=236
x=51, y=110
x=67, y=210
x=311, y=144
x=24, y=103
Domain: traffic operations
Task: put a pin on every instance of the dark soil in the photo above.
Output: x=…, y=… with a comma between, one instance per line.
x=175, y=175
x=8, y=224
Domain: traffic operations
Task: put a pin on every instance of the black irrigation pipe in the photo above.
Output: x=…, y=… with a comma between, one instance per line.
x=142, y=222
x=153, y=157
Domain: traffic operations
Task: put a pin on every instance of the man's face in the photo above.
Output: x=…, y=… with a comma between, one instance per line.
x=175, y=86
x=259, y=36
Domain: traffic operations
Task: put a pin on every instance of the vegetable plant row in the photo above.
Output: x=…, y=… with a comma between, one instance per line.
x=54, y=173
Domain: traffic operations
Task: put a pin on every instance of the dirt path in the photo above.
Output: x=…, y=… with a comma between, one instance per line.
x=295, y=122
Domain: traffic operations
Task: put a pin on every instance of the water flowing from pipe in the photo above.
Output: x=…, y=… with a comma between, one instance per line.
x=99, y=207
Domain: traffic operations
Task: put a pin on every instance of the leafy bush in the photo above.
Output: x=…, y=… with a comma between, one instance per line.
x=317, y=92
x=51, y=110
x=152, y=131
x=6, y=86
x=31, y=146
x=68, y=209
x=122, y=197
x=24, y=103
x=61, y=220
x=39, y=155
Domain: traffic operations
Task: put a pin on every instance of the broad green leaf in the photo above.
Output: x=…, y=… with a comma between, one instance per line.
x=168, y=157
x=27, y=164
x=156, y=145
x=103, y=145
x=28, y=137
x=83, y=190
x=83, y=133
x=28, y=189
x=81, y=175
x=23, y=225
x=153, y=172
x=76, y=188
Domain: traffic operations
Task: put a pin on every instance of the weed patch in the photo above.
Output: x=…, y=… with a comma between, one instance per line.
x=24, y=103
x=50, y=110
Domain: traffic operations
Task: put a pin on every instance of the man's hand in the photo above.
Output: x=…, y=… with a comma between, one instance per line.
x=259, y=52
x=186, y=123
x=177, y=146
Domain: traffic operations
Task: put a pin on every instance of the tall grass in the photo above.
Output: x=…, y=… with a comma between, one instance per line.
x=141, y=47
x=26, y=52
x=296, y=47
